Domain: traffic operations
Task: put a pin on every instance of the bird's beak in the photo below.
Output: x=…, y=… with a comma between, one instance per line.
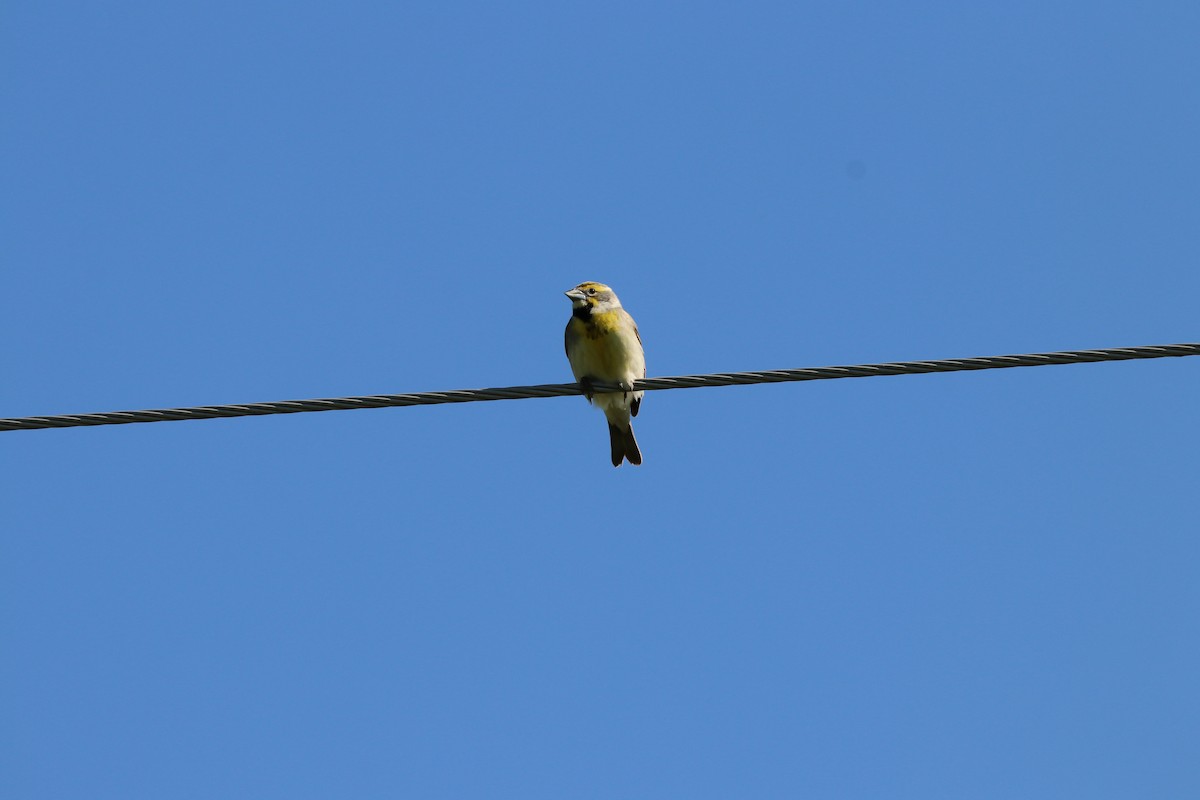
x=574, y=294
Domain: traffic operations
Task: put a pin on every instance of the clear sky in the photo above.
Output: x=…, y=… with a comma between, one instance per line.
x=976, y=585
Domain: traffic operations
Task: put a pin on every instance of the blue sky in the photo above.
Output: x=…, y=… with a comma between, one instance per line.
x=973, y=585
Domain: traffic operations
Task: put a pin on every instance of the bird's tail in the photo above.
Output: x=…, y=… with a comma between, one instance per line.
x=624, y=446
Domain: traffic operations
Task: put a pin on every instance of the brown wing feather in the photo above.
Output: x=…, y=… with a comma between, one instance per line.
x=636, y=405
x=567, y=337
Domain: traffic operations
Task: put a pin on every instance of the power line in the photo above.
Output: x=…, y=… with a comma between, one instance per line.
x=568, y=389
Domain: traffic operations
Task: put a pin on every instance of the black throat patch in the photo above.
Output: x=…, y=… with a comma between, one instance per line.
x=582, y=313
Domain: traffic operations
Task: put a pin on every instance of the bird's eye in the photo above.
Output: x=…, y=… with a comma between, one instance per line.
x=591, y=291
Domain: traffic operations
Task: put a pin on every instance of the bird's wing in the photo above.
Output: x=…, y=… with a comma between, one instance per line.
x=573, y=340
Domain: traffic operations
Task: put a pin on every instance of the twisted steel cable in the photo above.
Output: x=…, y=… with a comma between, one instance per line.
x=568, y=389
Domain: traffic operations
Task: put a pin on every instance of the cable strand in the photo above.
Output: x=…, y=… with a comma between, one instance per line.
x=570, y=389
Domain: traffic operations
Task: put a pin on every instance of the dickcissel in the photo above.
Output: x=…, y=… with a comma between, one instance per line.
x=603, y=346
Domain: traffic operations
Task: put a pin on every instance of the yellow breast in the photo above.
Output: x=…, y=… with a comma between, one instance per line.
x=605, y=348
x=601, y=324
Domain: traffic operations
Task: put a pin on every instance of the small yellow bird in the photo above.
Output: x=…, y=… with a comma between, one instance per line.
x=603, y=346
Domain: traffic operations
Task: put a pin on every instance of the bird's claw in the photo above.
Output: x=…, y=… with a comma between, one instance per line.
x=588, y=387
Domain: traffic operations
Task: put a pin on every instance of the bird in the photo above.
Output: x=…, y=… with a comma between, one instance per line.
x=603, y=346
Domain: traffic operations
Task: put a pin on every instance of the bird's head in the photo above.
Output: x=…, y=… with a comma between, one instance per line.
x=592, y=296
